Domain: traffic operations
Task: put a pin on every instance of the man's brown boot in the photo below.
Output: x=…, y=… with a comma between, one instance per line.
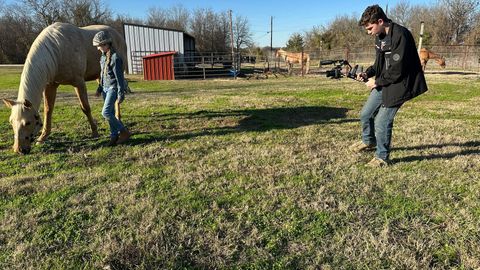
x=377, y=163
x=123, y=136
x=361, y=146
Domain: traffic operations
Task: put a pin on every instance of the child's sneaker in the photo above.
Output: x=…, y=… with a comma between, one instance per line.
x=123, y=136
x=113, y=141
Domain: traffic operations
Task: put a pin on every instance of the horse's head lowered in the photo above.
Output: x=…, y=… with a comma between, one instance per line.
x=26, y=124
x=441, y=62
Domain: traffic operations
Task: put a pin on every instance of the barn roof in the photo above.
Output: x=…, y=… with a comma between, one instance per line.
x=159, y=28
x=159, y=54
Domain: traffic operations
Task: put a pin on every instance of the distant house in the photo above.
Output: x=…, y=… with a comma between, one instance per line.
x=143, y=40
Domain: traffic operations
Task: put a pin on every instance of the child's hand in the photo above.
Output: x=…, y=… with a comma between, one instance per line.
x=99, y=91
x=121, y=97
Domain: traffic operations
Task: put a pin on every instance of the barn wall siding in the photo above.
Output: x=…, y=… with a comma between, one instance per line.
x=146, y=40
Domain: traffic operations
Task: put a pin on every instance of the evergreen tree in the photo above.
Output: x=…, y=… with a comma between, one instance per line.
x=295, y=43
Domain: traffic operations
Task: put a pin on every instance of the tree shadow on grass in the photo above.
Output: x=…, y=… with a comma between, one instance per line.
x=70, y=146
x=252, y=120
x=471, y=148
x=451, y=72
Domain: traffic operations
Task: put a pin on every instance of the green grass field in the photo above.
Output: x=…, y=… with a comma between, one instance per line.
x=224, y=174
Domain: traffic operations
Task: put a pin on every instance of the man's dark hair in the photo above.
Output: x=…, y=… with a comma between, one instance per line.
x=372, y=14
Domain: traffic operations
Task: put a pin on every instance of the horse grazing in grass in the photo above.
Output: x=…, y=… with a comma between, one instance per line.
x=426, y=55
x=61, y=54
x=294, y=58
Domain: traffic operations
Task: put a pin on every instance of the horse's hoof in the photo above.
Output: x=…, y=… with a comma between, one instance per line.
x=40, y=142
x=95, y=135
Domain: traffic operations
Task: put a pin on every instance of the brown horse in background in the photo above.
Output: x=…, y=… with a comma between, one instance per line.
x=294, y=58
x=425, y=55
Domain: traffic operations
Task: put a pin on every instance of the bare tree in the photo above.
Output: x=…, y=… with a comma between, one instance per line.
x=437, y=25
x=241, y=33
x=430, y=16
x=401, y=13
x=17, y=32
x=448, y=22
x=176, y=17
x=78, y=12
x=474, y=35
x=314, y=38
x=460, y=13
x=344, y=32
x=157, y=17
x=85, y=12
x=210, y=30
x=179, y=18
x=45, y=12
x=119, y=20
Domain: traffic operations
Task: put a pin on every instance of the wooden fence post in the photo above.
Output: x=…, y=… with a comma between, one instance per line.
x=301, y=63
x=203, y=67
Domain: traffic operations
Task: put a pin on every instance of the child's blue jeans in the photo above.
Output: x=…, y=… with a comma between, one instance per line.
x=108, y=111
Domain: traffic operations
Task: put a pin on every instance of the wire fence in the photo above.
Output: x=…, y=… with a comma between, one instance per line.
x=205, y=65
x=457, y=57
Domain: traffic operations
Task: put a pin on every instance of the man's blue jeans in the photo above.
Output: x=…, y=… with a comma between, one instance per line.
x=108, y=111
x=377, y=124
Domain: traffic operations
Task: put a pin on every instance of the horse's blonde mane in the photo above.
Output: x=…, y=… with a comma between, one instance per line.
x=40, y=66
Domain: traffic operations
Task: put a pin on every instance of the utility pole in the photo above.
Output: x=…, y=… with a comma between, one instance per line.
x=271, y=42
x=231, y=44
x=271, y=35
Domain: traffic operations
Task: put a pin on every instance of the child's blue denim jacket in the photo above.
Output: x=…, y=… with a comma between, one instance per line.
x=114, y=77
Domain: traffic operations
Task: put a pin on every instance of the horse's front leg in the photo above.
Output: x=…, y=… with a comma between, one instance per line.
x=290, y=68
x=49, y=96
x=81, y=91
x=423, y=64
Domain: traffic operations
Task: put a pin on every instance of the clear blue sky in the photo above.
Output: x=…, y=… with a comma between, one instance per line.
x=288, y=16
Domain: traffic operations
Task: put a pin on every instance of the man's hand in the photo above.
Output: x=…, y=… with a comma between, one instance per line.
x=371, y=83
x=362, y=77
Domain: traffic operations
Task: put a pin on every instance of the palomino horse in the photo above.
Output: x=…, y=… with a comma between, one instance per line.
x=294, y=58
x=425, y=55
x=61, y=54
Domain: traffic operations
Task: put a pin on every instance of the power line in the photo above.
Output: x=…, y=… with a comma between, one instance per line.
x=262, y=36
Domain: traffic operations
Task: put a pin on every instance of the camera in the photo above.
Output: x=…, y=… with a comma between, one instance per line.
x=354, y=72
x=336, y=71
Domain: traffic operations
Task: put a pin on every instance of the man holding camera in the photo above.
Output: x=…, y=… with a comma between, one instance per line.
x=398, y=78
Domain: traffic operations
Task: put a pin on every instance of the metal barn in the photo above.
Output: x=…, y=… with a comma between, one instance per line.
x=145, y=40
